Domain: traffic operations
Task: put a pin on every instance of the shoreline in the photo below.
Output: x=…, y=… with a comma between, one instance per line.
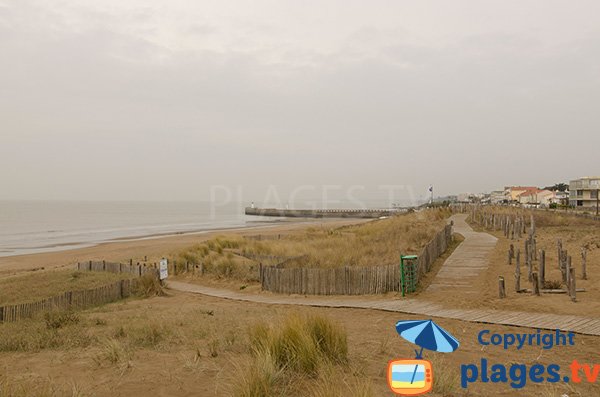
x=71, y=245
x=153, y=247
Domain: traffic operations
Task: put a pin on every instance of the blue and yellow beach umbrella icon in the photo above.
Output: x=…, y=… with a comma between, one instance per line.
x=414, y=377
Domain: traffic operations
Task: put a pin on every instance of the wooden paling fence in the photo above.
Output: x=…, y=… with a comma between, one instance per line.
x=114, y=267
x=349, y=280
x=70, y=300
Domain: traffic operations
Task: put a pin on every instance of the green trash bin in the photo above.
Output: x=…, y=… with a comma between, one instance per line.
x=408, y=273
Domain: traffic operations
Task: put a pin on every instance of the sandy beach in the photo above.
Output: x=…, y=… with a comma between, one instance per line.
x=153, y=247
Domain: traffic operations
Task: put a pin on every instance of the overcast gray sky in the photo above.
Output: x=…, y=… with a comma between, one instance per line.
x=162, y=99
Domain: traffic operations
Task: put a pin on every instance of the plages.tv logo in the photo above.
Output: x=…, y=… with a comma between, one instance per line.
x=412, y=377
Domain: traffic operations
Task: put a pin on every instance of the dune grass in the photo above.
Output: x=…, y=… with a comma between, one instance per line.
x=375, y=243
x=543, y=218
x=149, y=286
x=301, y=355
x=301, y=343
x=23, y=288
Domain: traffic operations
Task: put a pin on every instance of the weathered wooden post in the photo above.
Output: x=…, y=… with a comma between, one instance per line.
x=573, y=285
x=568, y=269
x=584, y=263
x=542, y=269
x=511, y=254
x=559, y=248
x=518, y=271
x=535, y=284
x=528, y=260
x=563, y=265
x=501, y=288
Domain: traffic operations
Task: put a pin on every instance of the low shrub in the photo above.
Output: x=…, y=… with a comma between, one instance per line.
x=259, y=378
x=301, y=343
x=552, y=284
x=149, y=285
x=59, y=319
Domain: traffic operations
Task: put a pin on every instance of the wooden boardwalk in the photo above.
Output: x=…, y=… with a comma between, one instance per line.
x=460, y=269
x=467, y=261
x=581, y=325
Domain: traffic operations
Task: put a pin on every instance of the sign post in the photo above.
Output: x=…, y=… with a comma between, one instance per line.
x=163, y=269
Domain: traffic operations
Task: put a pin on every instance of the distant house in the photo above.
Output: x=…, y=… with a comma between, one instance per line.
x=464, y=198
x=528, y=196
x=537, y=197
x=498, y=197
x=513, y=192
x=546, y=197
x=561, y=198
x=583, y=192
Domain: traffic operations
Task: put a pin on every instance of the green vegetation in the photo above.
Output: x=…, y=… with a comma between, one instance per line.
x=36, y=286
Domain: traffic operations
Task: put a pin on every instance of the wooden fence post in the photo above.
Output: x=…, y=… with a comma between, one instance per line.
x=542, y=269
x=535, y=284
x=518, y=271
x=584, y=263
x=572, y=283
x=559, y=248
x=568, y=269
x=528, y=258
x=501, y=288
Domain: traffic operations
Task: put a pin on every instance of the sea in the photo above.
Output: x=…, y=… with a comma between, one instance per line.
x=28, y=227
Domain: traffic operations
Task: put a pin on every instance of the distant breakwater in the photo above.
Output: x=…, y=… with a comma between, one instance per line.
x=323, y=213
